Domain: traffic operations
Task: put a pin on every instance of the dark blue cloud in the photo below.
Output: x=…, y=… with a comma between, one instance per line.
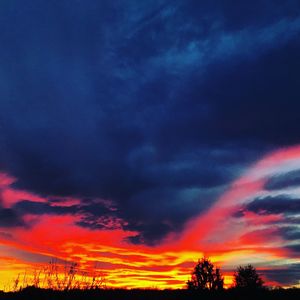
x=9, y=218
x=291, y=232
x=288, y=276
x=294, y=248
x=24, y=207
x=281, y=181
x=155, y=106
x=274, y=205
x=93, y=214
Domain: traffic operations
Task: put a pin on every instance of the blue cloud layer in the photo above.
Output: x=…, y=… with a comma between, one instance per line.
x=156, y=106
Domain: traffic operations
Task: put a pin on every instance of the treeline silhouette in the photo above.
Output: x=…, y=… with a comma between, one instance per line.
x=206, y=276
x=206, y=282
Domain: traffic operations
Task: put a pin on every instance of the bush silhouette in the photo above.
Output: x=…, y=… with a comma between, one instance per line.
x=205, y=276
x=247, y=278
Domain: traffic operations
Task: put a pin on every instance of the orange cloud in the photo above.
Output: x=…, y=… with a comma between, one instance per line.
x=228, y=240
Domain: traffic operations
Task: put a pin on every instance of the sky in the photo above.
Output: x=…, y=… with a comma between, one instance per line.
x=138, y=136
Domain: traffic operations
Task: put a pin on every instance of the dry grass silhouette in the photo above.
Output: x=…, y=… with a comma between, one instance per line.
x=60, y=278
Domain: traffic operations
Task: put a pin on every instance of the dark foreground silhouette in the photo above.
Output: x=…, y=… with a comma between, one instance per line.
x=33, y=293
x=206, y=283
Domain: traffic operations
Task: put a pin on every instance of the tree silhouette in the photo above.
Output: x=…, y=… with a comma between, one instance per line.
x=246, y=277
x=205, y=276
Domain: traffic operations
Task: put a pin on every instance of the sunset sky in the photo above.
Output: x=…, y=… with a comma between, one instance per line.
x=137, y=136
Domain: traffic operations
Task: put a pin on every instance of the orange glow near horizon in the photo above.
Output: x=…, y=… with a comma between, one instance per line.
x=228, y=241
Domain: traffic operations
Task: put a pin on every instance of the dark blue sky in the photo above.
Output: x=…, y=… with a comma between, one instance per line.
x=155, y=105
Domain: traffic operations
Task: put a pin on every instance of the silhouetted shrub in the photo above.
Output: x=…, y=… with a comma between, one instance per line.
x=205, y=277
x=247, y=278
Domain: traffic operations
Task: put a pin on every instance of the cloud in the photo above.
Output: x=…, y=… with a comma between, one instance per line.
x=291, y=232
x=155, y=107
x=251, y=239
x=8, y=218
x=5, y=235
x=94, y=215
x=287, y=276
x=274, y=205
x=294, y=248
x=128, y=133
x=38, y=208
x=282, y=181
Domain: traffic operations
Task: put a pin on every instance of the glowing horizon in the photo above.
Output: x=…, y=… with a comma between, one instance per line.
x=228, y=241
